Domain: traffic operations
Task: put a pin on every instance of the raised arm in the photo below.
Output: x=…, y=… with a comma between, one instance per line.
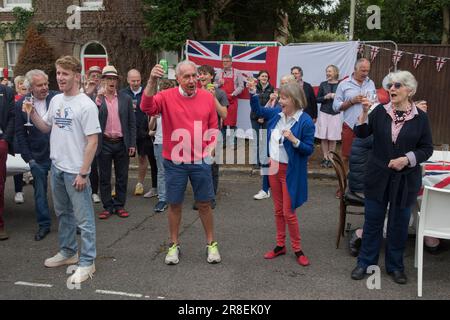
x=148, y=104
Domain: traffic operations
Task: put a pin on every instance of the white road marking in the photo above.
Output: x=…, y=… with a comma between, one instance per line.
x=118, y=293
x=30, y=284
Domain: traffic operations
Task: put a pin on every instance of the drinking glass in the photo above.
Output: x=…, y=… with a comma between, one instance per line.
x=134, y=104
x=28, y=103
x=444, y=154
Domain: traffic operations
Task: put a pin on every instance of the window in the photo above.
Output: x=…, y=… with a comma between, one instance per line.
x=13, y=49
x=9, y=4
x=92, y=5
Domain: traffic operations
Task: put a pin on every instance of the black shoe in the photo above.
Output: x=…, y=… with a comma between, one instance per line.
x=398, y=277
x=160, y=206
x=323, y=163
x=41, y=234
x=194, y=207
x=354, y=244
x=358, y=273
x=213, y=203
x=78, y=231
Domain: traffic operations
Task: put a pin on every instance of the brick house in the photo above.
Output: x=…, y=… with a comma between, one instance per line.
x=109, y=31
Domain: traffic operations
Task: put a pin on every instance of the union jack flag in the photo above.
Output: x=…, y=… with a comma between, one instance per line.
x=417, y=59
x=397, y=56
x=247, y=59
x=374, y=52
x=440, y=63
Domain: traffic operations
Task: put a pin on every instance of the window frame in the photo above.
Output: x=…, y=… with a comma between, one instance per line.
x=10, y=6
x=8, y=53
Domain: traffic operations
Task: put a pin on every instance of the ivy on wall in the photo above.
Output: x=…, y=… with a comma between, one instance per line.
x=22, y=19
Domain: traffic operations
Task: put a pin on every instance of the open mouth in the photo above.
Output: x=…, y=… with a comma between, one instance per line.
x=393, y=95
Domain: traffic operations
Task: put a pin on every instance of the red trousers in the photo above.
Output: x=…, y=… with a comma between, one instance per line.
x=284, y=215
x=3, y=158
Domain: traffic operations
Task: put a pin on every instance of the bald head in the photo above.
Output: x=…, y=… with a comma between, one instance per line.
x=134, y=79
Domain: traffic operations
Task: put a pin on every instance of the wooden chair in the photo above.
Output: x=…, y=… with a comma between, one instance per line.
x=347, y=199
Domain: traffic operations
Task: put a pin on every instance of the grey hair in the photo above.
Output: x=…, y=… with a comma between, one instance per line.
x=184, y=63
x=31, y=74
x=288, y=78
x=361, y=61
x=295, y=92
x=404, y=77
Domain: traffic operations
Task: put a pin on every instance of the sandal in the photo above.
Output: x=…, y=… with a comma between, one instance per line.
x=104, y=215
x=122, y=213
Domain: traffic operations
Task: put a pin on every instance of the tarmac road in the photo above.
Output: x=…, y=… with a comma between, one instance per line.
x=130, y=254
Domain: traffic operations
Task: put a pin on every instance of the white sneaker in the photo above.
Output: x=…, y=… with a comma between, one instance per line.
x=82, y=274
x=261, y=195
x=18, y=198
x=60, y=260
x=172, y=256
x=212, y=252
x=95, y=198
x=152, y=193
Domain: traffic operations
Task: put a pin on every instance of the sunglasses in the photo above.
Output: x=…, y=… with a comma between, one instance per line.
x=397, y=85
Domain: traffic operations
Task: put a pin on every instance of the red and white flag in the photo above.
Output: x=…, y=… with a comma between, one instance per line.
x=440, y=63
x=374, y=52
x=278, y=61
x=417, y=59
x=396, y=57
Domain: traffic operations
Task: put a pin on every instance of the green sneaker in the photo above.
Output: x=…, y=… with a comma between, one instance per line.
x=172, y=255
x=212, y=251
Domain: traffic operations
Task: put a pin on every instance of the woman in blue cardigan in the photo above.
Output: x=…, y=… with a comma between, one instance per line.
x=290, y=143
x=401, y=141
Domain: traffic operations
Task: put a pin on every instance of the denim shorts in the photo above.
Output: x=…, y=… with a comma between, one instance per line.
x=177, y=176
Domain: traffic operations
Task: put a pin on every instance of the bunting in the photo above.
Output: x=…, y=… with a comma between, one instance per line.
x=440, y=63
x=417, y=59
x=397, y=56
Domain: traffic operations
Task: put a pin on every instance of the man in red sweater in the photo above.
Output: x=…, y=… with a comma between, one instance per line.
x=189, y=122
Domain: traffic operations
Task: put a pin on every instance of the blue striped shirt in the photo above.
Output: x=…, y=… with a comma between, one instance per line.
x=345, y=91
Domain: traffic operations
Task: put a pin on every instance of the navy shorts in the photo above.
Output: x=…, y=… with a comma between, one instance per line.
x=177, y=176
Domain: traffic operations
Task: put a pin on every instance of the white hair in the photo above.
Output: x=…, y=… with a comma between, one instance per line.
x=184, y=63
x=288, y=78
x=31, y=74
x=404, y=77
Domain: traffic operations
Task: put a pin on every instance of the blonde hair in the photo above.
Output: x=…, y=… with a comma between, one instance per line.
x=69, y=63
x=288, y=78
x=18, y=80
x=294, y=92
x=335, y=69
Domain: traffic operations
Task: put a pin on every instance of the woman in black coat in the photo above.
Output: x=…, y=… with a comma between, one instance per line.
x=401, y=141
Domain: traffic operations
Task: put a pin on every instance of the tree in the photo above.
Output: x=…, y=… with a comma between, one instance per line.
x=36, y=53
x=414, y=21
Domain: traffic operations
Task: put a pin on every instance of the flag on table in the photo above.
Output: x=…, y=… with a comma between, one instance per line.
x=417, y=59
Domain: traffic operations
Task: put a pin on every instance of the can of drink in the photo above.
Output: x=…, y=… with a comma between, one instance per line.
x=165, y=65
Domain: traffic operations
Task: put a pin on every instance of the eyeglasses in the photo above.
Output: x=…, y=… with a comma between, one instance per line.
x=397, y=85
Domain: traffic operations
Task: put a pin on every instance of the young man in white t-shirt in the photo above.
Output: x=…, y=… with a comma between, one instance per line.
x=72, y=120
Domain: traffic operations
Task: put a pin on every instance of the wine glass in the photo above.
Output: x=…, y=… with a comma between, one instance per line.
x=444, y=154
x=28, y=104
x=371, y=95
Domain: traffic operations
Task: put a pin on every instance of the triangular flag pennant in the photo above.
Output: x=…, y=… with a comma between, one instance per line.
x=361, y=49
x=417, y=59
x=440, y=63
x=396, y=57
x=374, y=52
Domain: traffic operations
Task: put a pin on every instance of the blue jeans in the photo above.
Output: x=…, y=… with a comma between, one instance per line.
x=40, y=174
x=74, y=208
x=161, y=175
x=397, y=235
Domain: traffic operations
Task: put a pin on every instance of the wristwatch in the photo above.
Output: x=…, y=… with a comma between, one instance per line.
x=84, y=176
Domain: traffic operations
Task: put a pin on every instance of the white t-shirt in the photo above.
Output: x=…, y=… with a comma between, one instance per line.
x=159, y=133
x=72, y=119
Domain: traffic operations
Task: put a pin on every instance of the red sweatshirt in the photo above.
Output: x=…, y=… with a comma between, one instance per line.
x=189, y=123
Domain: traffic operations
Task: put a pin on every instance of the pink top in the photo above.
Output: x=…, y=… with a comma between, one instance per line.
x=113, y=127
x=396, y=127
x=189, y=123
